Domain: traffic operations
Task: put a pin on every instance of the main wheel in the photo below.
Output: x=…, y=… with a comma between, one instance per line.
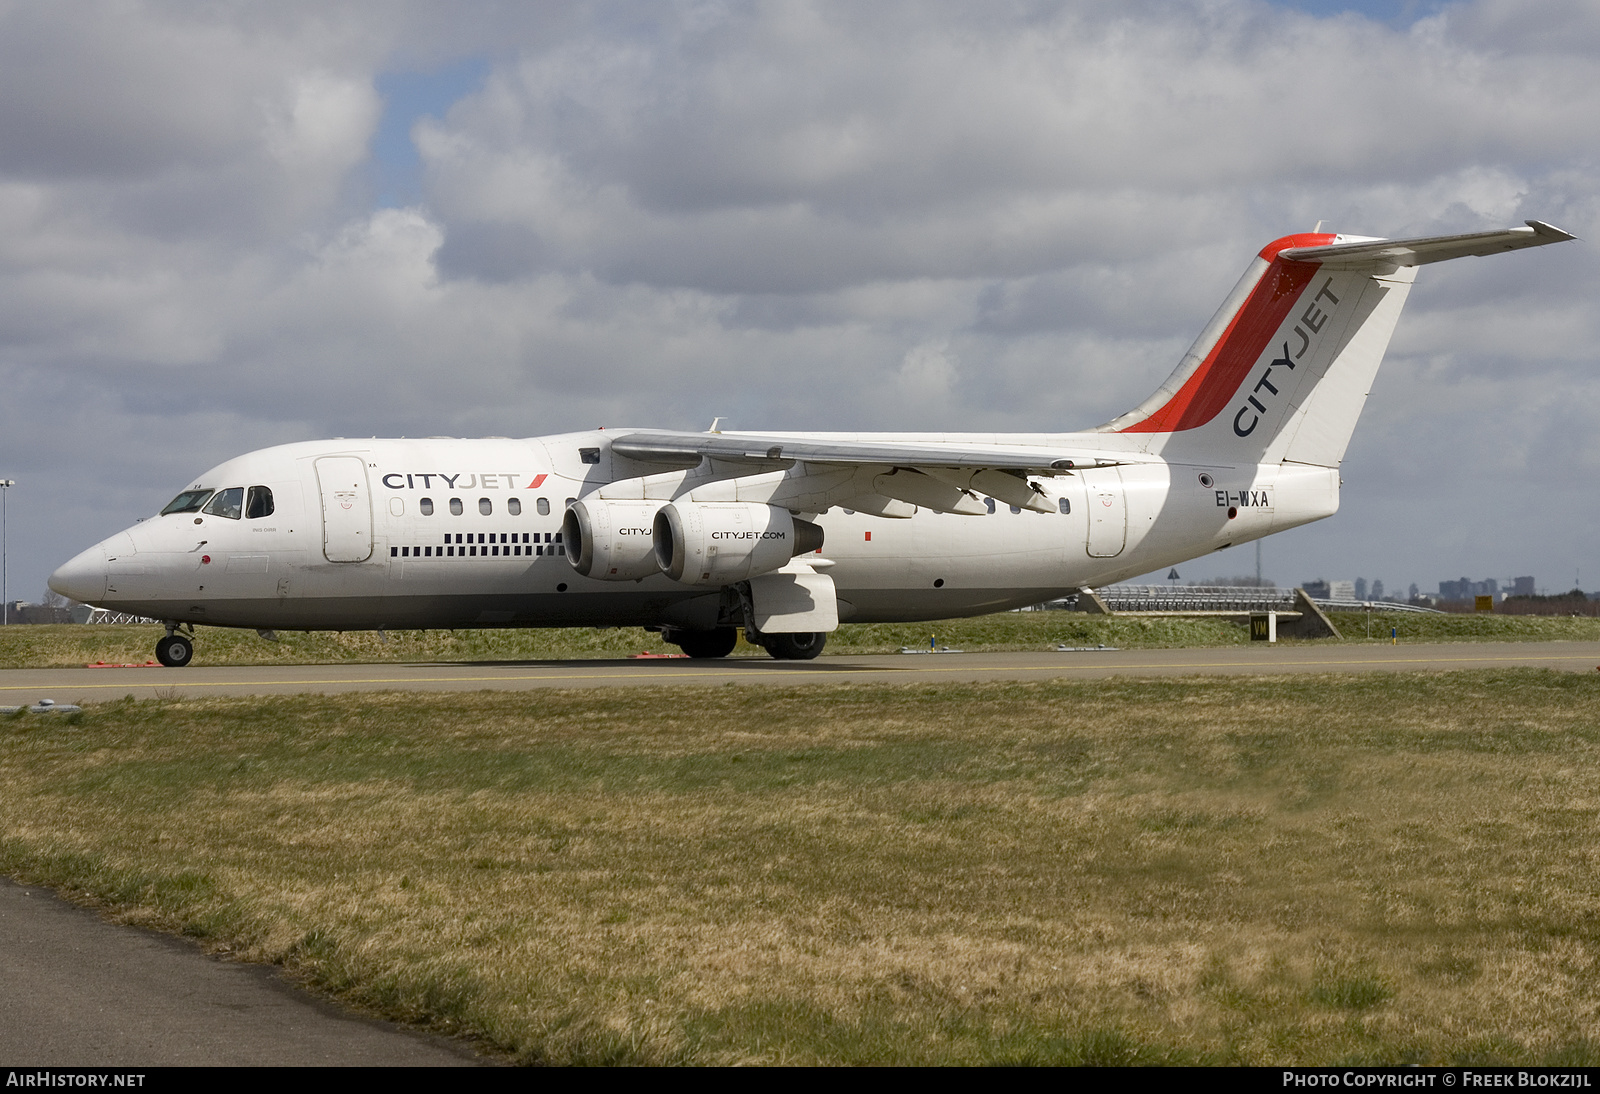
x=703, y=644
x=174, y=651
x=796, y=647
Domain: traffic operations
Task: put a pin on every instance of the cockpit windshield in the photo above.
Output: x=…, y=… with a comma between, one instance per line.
x=227, y=503
x=189, y=501
x=260, y=503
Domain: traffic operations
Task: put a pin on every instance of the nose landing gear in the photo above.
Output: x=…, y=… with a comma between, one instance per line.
x=174, y=650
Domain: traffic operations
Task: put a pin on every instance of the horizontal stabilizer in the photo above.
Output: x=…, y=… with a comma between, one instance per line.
x=1420, y=252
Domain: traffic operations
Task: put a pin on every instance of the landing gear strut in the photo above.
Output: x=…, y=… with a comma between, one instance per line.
x=796, y=646
x=174, y=650
x=802, y=646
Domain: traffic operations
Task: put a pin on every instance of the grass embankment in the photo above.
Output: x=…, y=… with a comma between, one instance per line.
x=1485, y=627
x=61, y=646
x=1386, y=868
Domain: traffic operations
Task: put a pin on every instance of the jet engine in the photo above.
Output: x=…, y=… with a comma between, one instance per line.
x=715, y=543
x=611, y=540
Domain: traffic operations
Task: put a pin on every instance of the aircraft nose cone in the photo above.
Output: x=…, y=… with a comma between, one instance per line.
x=83, y=578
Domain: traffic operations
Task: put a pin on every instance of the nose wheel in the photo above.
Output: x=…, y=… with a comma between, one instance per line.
x=174, y=651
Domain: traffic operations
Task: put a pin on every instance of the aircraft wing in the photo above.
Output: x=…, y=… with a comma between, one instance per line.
x=1420, y=252
x=668, y=447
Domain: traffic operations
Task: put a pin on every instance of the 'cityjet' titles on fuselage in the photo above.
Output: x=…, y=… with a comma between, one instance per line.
x=461, y=480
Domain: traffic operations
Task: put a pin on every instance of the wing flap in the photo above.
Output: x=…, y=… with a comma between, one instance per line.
x=775, y=450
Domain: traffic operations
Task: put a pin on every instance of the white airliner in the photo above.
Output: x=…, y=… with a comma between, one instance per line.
x=787, y=535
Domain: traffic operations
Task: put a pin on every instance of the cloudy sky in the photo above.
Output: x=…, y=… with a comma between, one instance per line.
x=230, y=225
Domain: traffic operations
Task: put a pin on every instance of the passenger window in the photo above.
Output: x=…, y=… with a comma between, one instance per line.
x=227, y=503
x=426, y=505
x=189, y=501
x=259, y=503
x=514, y=507
x=455, y=507
x=1015, y=508
x=485, y=506
x=544, y=507
x=988, y=503
x=570, y=501
x=1066, y=506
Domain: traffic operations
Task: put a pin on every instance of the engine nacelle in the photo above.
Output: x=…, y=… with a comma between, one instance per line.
x=715, y=543
x=611, y=540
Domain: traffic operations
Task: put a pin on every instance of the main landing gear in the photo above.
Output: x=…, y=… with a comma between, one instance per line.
x=721, y=641
x=802, y=646
x=704, y=644
x=174, y=650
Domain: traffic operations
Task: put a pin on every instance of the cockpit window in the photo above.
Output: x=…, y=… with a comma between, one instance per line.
x=189, y=501
x=227, y=503
x=259, y=503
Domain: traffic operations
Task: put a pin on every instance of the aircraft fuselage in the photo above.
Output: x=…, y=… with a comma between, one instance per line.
x=468, y=533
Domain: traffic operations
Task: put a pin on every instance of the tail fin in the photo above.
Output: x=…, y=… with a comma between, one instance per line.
x=1283, y=369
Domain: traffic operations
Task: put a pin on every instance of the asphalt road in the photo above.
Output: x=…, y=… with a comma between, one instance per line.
x=70, y=685
x=76, y=991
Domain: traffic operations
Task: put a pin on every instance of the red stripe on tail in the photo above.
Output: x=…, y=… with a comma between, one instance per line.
x=1211, y=387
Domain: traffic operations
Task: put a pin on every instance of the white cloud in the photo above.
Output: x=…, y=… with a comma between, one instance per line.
x=927, y=373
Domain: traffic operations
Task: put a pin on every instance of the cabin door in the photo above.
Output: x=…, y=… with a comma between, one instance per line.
x=346, y=509
x=1108, y=512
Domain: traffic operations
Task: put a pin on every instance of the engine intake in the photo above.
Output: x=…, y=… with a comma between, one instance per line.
x=611, y=540
x=716, y=543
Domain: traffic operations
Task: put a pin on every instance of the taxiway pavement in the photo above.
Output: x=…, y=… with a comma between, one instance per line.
x=76, y=685
x=76, y=991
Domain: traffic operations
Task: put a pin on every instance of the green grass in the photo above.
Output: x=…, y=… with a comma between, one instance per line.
x=58, y=646
x=1365, y=869
x=1460, y=627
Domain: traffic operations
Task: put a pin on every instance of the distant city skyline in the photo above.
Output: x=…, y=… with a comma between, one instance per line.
x=1362, y=588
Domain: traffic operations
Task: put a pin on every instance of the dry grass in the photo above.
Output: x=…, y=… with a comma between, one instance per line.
x=1306, y=870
